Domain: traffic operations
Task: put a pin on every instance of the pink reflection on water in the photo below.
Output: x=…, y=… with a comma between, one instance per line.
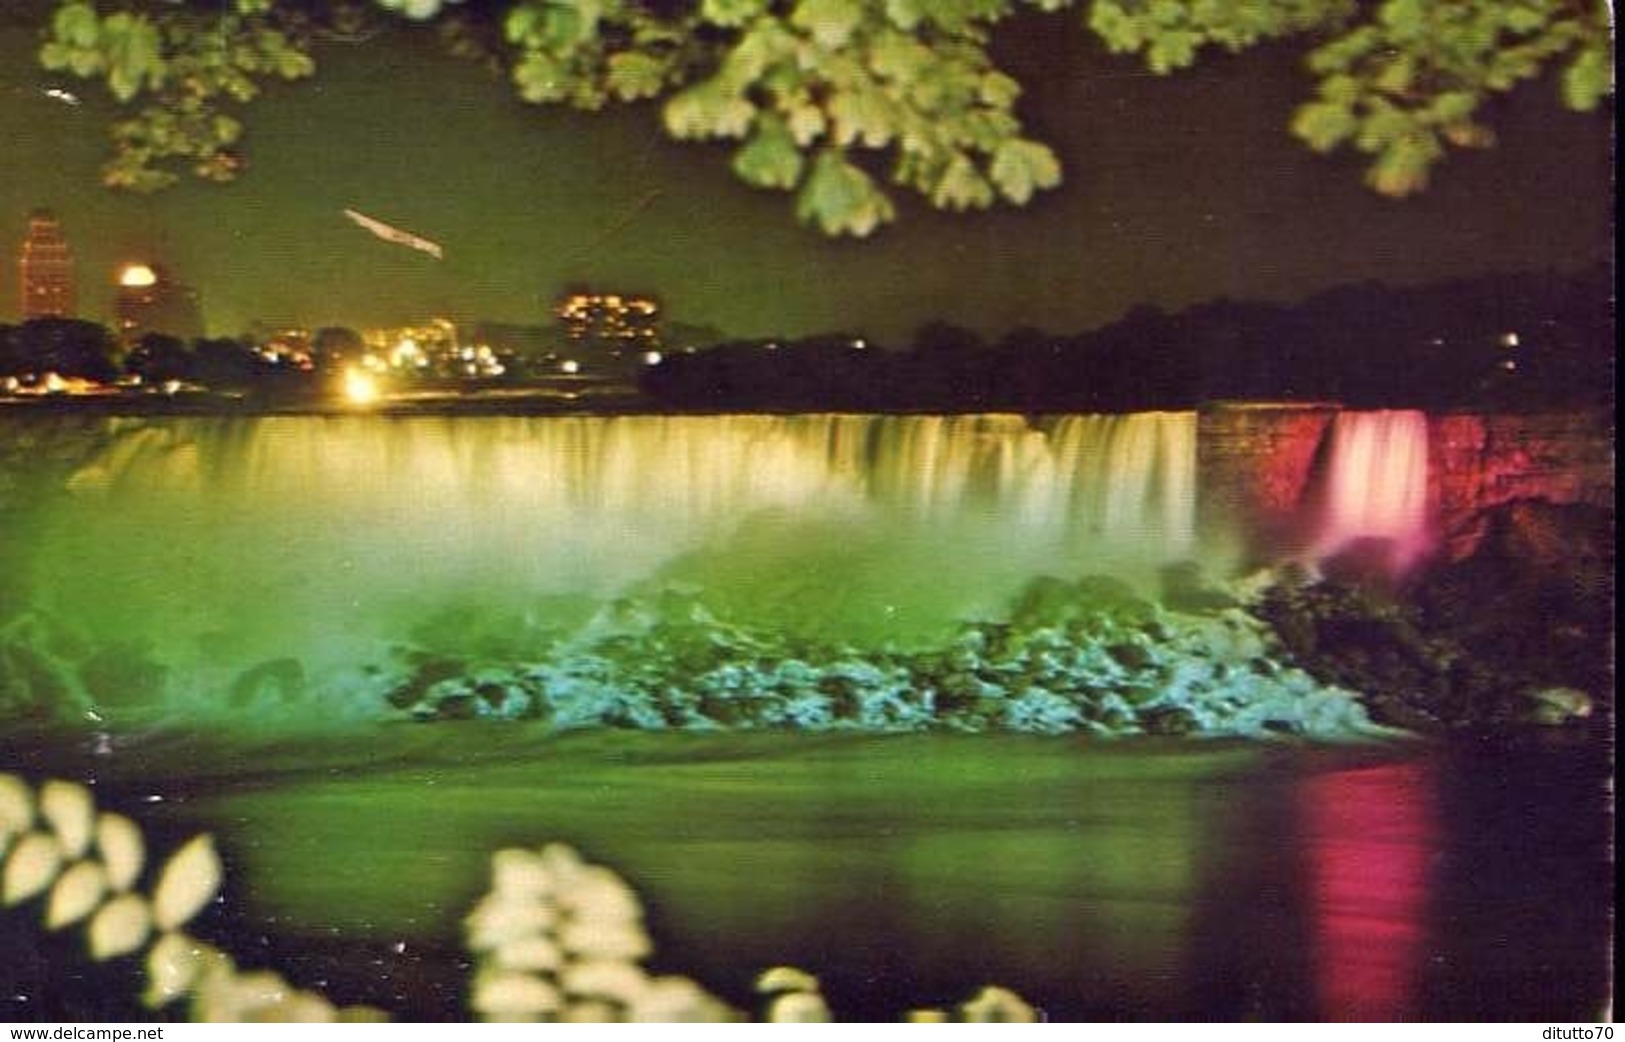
x=1370, y=836
x=1376, y=487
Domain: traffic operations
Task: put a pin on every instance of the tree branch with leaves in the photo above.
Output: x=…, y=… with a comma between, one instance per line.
x=831, y=99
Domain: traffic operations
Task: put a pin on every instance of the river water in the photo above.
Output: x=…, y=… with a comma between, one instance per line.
x=1144, y=880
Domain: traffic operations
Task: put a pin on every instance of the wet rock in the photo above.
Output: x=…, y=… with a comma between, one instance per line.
x=1557, y=705
x=1167, y=720
x=277, y=680
x=1186, y=588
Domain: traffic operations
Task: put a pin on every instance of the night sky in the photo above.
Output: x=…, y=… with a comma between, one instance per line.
x=1177, y=190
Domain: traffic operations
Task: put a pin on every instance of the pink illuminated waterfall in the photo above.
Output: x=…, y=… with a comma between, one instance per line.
x=1375, y=488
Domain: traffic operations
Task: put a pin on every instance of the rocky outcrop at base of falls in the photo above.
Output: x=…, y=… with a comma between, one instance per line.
x=1088, y=656
x=1518, y=633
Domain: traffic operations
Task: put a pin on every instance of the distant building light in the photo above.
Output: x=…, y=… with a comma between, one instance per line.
x=570, y=366
x=652, y=357
x=137, y=276
x=1509, y=340
x=860, y=343
x=359, y=387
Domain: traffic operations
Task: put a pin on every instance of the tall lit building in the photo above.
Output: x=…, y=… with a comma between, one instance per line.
x=612, y=320
x=146, y=300
x=46, y=267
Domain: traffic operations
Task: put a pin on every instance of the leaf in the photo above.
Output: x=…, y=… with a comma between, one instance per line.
x=508, y=993
x=1384, y=126
x=75, y=895
x=71, y=813
x=86, y=63
x=31, y=867
x=708, y=111
x=731, y=13
x=961, y=186
x=189, y=881
x=520, y=22
x=360, y=1015
x=842, y=199
x=1396, y=74
x=806, y=123
x=1524, y=18
x=1586, y=81
x=537, y=954
x=518, y=874
x=122, y=848
x=998, y=90
x=16, y=804
x=501, y=918
x=1323, y=125
x=799, y=1007
x=905, y=14
x=175, y=965
x=619, y=941
x=994, y=1005
x=864, y=116
x=1172, y=50
x=1402, y=168
x=294, y=64
x=830, y=22
x=770, y=159
x=121, y=927
x=1467, y=134
x=634, y=75
x=1453, y=105
x=133, y=54
x=77, y=24
x=604, y=978
x=540, y=78
x=785, y=978
x=1021, y=167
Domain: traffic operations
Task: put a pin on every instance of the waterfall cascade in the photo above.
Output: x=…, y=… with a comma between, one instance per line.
x=1375, y=487
x=221, y=543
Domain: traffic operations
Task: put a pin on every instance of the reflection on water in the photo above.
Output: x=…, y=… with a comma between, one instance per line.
x=1370, y=841
x=1141, y=880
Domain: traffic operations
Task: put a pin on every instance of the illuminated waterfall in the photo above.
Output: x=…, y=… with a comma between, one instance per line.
x=1376, y=486
x=220, y=543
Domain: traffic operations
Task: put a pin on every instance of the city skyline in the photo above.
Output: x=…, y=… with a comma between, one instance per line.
x=1214, y=200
